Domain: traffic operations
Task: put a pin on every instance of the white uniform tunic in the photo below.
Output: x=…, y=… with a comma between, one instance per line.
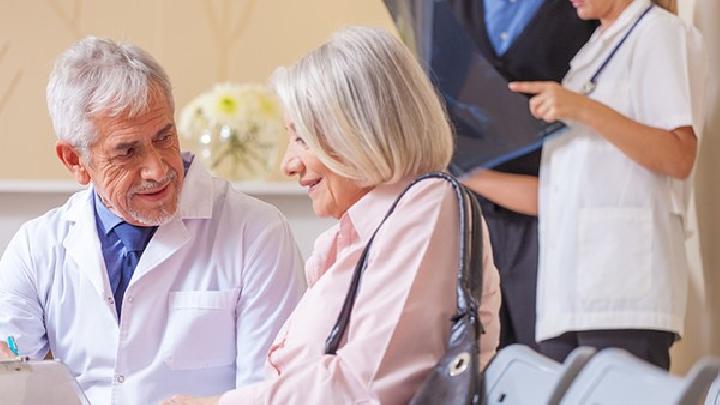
x=612, y=232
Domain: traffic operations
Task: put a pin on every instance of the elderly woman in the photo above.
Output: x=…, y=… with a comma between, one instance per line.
x=363, y=122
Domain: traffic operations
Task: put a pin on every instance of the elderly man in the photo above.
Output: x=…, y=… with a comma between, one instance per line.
x=158, y=278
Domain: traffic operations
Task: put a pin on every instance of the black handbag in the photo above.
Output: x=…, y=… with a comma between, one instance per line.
x=456, y=379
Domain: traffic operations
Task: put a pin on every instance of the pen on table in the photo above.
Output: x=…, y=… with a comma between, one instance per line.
x=12, y=345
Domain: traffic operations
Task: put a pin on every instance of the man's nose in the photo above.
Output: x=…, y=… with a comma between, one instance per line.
x=154, y=168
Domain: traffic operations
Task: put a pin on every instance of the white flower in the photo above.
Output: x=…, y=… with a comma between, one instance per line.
x=240, y=122
x=193, y=118
x=243, y=108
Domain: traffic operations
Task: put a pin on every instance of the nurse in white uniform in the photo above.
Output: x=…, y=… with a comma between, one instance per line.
x=613, y=188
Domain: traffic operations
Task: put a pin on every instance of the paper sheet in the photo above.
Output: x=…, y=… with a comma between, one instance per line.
x=38, y=382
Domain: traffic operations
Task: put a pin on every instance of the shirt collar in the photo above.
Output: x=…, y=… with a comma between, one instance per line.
x=602, y=40
x=625, y=20
x=366, y=214
x=108, y=219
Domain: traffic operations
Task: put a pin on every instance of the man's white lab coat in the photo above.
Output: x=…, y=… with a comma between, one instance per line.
x=206, y=300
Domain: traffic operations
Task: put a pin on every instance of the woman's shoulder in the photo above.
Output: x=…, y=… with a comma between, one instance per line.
x=432, y=186
x=430, y=191
x=666, y=31
x=660, y=20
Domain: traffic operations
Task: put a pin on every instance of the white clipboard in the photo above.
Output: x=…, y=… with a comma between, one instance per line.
x=36, y=382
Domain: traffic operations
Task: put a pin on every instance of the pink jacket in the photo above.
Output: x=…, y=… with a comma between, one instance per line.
x=401, y=319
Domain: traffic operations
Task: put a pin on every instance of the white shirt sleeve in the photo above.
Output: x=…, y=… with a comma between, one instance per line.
x=272, y=287
x=21, y=313
x=667, y=75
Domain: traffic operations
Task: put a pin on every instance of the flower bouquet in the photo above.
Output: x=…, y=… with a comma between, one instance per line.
x=236, y=128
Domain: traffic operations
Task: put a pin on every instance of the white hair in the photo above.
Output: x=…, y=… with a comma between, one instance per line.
x=364, y=106
x=99, y=76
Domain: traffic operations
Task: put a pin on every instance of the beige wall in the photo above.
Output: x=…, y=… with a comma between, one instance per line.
x=702, y=330
x=706, y=16
x=199, y=42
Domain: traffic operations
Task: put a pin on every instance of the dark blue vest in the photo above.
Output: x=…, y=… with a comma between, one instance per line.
x=541, y=52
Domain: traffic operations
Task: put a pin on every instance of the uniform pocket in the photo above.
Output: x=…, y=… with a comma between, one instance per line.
x=201, y=329
x=615, y=93
x=614, y=253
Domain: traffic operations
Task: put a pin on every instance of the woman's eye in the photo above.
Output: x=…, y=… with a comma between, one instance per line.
x=299, y=140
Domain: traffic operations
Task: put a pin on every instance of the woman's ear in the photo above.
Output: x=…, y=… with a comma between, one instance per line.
x=70, y=157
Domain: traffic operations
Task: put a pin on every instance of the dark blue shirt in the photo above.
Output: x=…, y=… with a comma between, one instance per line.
x=506, y=19
x=122, y=244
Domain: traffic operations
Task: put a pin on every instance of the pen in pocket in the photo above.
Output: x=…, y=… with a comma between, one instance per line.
x=12, y=345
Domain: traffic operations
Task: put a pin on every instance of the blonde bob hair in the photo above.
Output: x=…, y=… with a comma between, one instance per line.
x=365, y=108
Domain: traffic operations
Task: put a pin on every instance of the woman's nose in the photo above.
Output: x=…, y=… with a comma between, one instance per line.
x=291, y=164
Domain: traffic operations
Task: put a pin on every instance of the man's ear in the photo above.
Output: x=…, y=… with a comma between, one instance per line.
x=70, y=157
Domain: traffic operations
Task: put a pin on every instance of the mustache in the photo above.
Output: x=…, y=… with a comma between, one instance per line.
x=154, y=185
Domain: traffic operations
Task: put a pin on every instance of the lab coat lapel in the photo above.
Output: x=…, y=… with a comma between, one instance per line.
x=168, y=239
x=195, y=203
x=602, y=42
x=82, y=243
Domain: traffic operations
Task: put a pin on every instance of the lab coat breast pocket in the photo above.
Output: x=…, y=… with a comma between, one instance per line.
x=201, y=329
x=614, y=253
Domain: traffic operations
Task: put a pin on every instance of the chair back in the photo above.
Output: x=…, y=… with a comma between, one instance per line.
x=615, y=377
x=519, y=376
x=713, y=396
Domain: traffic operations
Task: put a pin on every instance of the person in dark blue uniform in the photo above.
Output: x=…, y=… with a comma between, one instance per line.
x=525, y=40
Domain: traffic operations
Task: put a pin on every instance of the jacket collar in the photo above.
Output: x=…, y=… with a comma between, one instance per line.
x=196, y=198
x=366, y=214
x=625, y=20
x=105, y=218
x=83, y=244
x=355, y=226
x=603, y=40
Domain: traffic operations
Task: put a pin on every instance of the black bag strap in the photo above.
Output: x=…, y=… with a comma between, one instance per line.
x=470, y=239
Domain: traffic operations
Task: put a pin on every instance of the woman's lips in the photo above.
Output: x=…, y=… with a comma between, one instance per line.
x=311, y=185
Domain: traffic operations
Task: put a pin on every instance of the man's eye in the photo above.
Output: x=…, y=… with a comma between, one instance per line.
x=128, y=152
x=163, y=137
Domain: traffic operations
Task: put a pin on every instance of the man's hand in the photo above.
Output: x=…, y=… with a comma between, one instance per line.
x=189, y=400
x=5, y=352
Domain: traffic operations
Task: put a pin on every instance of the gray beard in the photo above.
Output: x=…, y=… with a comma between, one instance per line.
x=163, y=218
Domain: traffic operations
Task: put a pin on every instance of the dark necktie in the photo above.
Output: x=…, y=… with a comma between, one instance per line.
x=134, y=239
